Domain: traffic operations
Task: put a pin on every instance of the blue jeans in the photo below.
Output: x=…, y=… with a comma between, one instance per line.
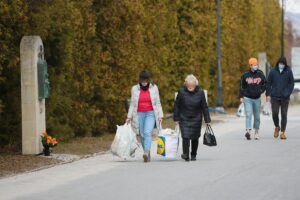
x=146, y=126
x=252, y=106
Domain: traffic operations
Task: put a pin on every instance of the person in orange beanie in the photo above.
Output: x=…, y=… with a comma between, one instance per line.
x=253, y=84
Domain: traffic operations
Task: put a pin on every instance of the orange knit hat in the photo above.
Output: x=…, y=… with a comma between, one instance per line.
x=252, y=61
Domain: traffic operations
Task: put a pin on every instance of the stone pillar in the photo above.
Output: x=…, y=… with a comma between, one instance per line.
x=33, y=110
x=262, y=62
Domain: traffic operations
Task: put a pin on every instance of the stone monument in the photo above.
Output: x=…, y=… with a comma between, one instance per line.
x=262, y=62
x=34, y=90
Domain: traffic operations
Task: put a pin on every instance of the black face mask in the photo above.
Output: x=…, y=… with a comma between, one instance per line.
x=145, y=87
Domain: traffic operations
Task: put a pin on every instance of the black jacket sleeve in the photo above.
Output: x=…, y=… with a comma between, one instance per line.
x=291, y=82
x=269, y=84
x=263, y=84
x=177, y=107
x=204, y=109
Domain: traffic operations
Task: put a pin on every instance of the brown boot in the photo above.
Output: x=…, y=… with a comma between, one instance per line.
x=282, y=136
x=146, y=157
x=276, y=132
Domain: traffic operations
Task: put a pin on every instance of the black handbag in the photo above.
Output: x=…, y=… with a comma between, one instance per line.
x=209, y=138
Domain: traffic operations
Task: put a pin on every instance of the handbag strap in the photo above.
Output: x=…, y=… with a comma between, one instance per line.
x=207, y=130
x=210, y=129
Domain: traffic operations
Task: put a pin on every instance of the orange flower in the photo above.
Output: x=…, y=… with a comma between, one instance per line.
x=54, y=141
x=44, y=133
x=50, y=141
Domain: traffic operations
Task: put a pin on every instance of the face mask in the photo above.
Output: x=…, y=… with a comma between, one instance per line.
x=255, y=67
x=281, y=66
x=144, y=87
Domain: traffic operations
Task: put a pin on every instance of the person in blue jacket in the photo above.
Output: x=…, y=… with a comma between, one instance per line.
x=280, y=86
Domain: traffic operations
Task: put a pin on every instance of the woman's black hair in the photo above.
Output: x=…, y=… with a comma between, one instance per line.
x=282, y=60
x=144, y=76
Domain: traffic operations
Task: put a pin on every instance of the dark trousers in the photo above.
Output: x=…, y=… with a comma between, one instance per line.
x=283, y=106
x=186, y=146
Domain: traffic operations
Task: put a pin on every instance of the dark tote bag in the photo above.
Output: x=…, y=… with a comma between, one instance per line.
x=209, y=138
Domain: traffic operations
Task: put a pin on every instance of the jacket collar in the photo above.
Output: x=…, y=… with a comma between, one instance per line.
x=150, y=86
x=196, y=89
x=284, y=69
x=253, y=72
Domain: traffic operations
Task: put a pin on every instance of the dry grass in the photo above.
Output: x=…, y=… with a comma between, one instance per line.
x=12, y=162
x=85, y=145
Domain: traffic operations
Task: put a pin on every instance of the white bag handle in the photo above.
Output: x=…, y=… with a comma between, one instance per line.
x=159, y=127
x=177, y=128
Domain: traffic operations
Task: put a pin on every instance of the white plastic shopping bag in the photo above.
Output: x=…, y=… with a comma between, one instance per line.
x=168, y=142
x=267, y=110
x=241, y=110
x=125, y=142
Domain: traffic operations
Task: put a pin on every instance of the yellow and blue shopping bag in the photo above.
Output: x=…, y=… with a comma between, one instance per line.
x=167, y=143
x=161, y=145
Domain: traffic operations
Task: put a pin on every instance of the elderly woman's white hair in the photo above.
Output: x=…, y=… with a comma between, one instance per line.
x=191, y=78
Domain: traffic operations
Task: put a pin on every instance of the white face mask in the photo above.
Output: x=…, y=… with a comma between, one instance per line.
x=281, y=66
x=254, y=67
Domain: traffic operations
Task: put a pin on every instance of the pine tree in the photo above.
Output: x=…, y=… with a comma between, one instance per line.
x=13, y=25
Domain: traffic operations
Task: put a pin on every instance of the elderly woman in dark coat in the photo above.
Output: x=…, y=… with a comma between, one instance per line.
x=190, y=106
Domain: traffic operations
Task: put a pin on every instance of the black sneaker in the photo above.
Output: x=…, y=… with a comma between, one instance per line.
x=185, y=157
x=248, y=136
x=193, y=158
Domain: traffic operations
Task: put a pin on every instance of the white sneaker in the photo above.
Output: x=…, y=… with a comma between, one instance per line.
x=256, y=135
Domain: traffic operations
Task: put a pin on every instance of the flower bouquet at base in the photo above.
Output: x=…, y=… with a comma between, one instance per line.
x=48, y=143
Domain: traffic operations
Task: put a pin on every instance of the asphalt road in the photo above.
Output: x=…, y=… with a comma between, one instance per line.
x=235, y=169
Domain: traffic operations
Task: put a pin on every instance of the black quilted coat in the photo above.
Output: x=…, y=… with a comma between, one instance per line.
x=188, y=110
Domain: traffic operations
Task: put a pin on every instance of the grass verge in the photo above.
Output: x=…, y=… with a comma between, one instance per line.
x=12, y=162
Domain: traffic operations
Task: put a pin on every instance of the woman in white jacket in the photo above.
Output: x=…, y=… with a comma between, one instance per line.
x=145, y=111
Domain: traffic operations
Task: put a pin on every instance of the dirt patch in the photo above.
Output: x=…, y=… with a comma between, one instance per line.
x=13, y=164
